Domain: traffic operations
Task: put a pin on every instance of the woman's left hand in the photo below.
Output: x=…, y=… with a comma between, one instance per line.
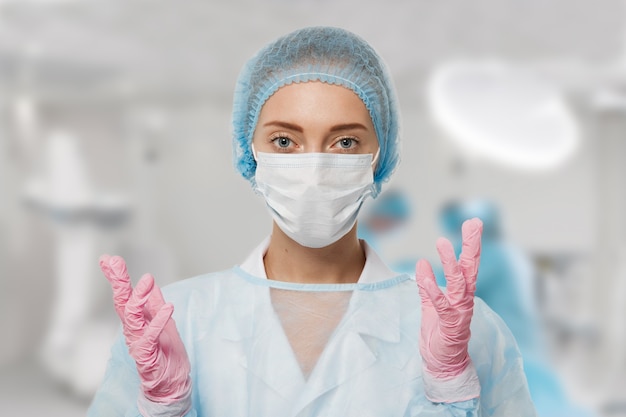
x=446, y=317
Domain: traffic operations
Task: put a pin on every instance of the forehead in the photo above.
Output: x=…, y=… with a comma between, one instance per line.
x=315, y=97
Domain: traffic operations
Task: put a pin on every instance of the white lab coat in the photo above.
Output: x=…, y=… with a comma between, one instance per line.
x=243, y=363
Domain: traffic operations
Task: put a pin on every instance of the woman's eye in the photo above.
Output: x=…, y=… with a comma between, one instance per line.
x=346, y=143
x=282, y=142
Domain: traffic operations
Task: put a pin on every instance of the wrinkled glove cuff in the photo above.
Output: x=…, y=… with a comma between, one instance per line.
x=462, y=387
x=178, y=408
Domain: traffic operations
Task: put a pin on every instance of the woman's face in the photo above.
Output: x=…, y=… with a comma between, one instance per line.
x=315, y=117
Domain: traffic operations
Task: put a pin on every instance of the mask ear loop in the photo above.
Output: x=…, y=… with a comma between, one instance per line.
x=254, y=152
x=375, y=158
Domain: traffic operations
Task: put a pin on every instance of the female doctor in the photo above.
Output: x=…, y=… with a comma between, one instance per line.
x=313, y=323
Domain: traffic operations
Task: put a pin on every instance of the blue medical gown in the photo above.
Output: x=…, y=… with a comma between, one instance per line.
x=239, y=331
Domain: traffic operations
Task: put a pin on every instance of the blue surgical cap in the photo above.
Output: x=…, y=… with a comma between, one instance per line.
x=327, y=54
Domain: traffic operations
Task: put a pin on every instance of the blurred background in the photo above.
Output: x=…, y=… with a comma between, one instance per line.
x=115, y=137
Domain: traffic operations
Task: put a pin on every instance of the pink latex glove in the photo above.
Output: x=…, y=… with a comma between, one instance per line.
x=446, y=318
x=150, y=332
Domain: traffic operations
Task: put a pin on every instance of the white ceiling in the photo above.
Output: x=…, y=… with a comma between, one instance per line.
x=109, y=47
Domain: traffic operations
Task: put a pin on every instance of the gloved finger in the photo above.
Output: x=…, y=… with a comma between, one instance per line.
x=114, y=270
x=135, y=319
x=153, y=361
x=423, y=272
x=455, y=280
x=156, y=326
x=470, y=255
x=429, y=290
x=155, y=301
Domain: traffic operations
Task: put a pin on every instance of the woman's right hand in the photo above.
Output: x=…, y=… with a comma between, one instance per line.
x=151, y=335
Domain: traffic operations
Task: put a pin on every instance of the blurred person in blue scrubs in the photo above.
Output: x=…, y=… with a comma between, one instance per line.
x=385, y=218
x=507, y=283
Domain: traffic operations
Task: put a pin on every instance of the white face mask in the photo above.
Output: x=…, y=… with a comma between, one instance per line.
x=314, y=197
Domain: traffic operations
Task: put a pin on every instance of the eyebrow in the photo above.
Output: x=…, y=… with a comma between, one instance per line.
x=336, y=128
x=284, y=125
x=348, y=126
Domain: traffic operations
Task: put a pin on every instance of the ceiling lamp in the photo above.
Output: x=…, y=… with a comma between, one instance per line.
x=503, y=113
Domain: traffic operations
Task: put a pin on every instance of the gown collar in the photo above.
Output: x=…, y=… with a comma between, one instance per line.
x=374, y=270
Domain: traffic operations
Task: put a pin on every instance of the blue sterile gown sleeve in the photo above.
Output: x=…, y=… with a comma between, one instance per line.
x=259, y=347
